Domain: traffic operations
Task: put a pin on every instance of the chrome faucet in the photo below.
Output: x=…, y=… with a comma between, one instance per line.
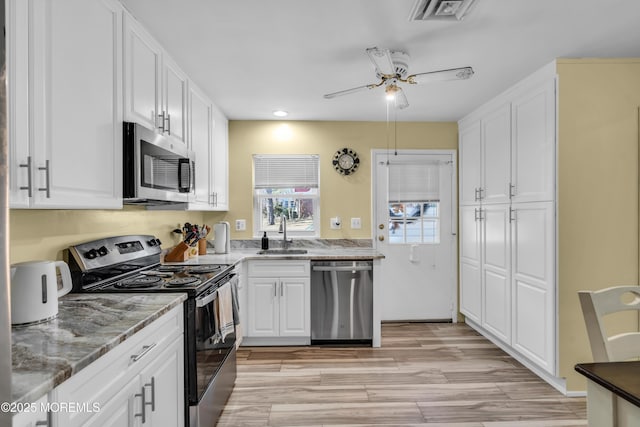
x=283, y=229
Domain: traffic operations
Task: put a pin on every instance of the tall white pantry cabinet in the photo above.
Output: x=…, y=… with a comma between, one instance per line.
x=507, y=151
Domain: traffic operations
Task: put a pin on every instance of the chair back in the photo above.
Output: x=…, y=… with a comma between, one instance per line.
x=596, y=305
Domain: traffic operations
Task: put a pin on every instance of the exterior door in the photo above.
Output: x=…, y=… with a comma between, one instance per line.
x=415, y=229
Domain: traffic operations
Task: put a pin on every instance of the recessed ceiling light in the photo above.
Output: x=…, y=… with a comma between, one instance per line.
x=280, y=113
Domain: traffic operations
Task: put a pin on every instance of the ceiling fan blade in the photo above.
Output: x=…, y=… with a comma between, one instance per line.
x=401, y=99
x=442, y=75
x=349, y=91
x=381, y=59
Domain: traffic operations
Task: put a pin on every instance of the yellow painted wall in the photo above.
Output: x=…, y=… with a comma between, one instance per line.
x=344, y=196
x=44, y=234
x=597, y=193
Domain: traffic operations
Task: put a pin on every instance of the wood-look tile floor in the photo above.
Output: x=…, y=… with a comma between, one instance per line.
x=424, y=374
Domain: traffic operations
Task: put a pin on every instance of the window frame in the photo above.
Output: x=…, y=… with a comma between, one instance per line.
x=259, y=198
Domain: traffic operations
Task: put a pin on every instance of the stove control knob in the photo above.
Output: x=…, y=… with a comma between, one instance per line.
x=158, y=242
x=91, y=254
x=102, y=251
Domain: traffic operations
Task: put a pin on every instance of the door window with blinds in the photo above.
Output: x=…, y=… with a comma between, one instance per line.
x=286, y=185
x=414, y=203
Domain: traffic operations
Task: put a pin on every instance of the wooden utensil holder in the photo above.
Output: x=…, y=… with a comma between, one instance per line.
x=202, y=247
x=179, y=253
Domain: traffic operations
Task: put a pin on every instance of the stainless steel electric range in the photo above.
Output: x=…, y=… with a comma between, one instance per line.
x=132, y=264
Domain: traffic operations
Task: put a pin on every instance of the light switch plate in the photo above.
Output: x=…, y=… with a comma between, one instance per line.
x=241, y=225
x=356, y=223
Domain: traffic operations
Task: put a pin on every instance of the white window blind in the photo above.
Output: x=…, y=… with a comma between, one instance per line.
x=414, y=182
x=285, y=171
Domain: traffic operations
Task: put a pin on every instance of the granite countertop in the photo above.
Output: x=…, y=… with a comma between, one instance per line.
x=621, y=378
x=318, y=249
x=88, y=326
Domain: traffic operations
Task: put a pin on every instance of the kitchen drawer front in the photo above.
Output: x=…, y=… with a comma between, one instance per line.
x=278, y=268
x=101, y=380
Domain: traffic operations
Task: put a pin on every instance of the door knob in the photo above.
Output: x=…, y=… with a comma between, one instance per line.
x=381, y=226
x=381, y=238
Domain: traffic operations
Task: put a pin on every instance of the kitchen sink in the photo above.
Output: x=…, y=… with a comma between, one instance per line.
x=282, y=251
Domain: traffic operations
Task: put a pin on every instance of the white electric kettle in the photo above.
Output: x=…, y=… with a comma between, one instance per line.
x=221, y=237
x=34, y=290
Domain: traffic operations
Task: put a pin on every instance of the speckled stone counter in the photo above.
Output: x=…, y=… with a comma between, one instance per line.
x=317, y=249
x=87, y=326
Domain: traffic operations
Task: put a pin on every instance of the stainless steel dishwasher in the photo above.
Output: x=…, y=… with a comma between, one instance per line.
x=341, y=302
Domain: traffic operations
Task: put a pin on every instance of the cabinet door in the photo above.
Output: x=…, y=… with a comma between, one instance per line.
x=142, y=59
x=75, y=100
x=470, y=161
x=295, y=314
x=163, y=381
x=174, y=99
x=122, y=410
x=220, y=161
x=533, y=282
x=495, y=270
x=470, y=276
x=533, y=144
x=263, y=311
x=20, y=168
x=200, y=119
x=35, y=416
x=496, y=168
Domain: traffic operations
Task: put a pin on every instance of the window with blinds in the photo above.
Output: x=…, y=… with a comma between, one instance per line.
x=286, y=185
x=414, y=203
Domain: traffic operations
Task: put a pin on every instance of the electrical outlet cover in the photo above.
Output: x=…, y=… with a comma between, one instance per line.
x=241, y=225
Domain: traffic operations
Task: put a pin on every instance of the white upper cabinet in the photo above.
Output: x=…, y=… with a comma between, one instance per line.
x=174, y=99
x=142, y=78
x=208, y=138
x=200, y=139
x=470, y=160
x=155, y=87
x=533, y=143
x=496, y=141
x=69, y=154
x=220, y=161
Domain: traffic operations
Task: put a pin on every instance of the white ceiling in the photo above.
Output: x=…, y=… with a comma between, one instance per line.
x=256, y=56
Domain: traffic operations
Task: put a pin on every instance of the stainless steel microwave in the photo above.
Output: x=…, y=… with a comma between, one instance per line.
x=157, y=170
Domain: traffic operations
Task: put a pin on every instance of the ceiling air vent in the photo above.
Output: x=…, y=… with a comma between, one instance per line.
x=446, y=10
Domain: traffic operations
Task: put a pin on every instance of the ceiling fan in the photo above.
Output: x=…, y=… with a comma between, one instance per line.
x=391, y=68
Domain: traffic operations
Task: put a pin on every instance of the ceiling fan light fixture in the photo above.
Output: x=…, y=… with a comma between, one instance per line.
x=390, y=91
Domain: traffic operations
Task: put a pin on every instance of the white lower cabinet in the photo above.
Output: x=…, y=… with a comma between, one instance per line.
x=36, y=415
x=138, y=383
x=279, y=303
x=533, y=282
x=507, y=283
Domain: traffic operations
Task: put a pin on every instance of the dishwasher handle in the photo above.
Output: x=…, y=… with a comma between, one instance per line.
x=342, y=268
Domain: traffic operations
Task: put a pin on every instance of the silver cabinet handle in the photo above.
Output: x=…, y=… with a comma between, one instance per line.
x=162, y=120
x=29, y=187
x=145, y=349
x=143, y=405
x=476, y=217
x=275, y=289
x=47, y=187
x=168, y=123
x=281, y=289
x=42, y=423
x=476, y=196
x=152, y=384
x=512, y=191
x=512, y=214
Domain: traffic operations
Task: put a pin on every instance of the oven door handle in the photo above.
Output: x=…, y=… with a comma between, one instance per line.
x=202, y=301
